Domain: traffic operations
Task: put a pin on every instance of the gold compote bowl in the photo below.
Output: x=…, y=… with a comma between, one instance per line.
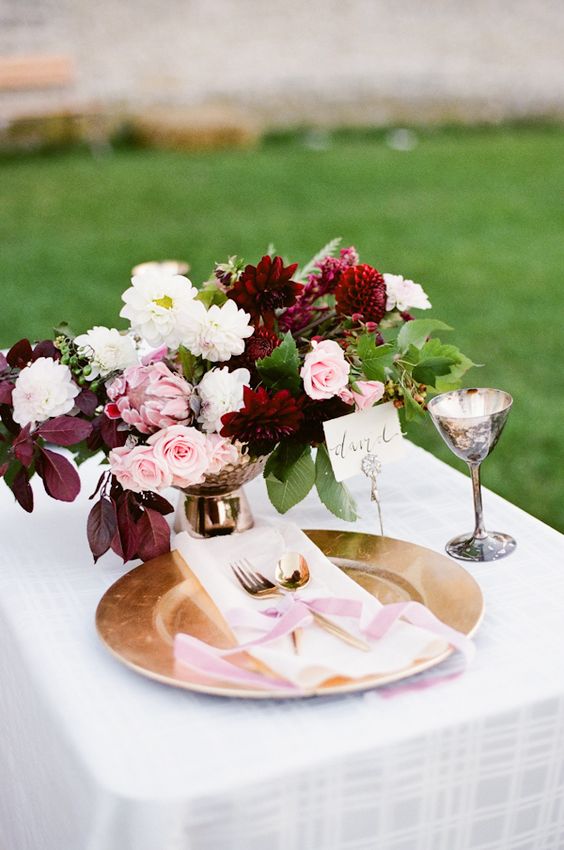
x=470, y=421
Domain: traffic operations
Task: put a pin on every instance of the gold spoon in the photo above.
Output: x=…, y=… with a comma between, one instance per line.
x=292, y=572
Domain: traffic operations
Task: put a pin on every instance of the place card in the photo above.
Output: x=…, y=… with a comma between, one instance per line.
x=376, y=431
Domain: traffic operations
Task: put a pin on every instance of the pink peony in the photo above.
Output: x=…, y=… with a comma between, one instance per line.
x=138, y=469
x=155, y=356
x=325, y=371
x=149, y=398
x=184, y=452
x=221, y=451
x=370, y=393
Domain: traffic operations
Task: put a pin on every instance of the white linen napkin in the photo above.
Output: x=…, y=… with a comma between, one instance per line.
x=321, y=656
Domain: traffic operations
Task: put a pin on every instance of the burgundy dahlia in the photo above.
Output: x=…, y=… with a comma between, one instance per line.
x=263, y=289
x=315, y=414
x=362, y=290
x=263, y=420
x=259, y=345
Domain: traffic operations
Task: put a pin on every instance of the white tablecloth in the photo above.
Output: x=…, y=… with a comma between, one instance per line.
x=95, y=757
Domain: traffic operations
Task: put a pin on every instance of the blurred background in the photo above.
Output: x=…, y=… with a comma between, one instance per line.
x=429, y=135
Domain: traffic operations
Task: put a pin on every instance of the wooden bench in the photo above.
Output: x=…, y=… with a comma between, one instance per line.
x=35, y=72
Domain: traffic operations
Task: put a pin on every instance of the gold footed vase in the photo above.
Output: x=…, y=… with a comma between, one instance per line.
x=218, y=506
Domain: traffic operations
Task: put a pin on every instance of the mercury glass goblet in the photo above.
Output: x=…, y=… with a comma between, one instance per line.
x=470, y=421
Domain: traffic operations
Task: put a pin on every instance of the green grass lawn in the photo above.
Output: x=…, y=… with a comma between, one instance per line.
x=477, y=217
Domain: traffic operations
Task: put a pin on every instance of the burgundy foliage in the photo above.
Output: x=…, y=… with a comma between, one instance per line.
x=6, y=388
x=21, y=489
x=154, y=535
x=24, y=447
x=65, y=430
x=45, y=348
x=87, y=402
x=131, y=524
x=20, y=354
x=60, y=478
x=101, y=527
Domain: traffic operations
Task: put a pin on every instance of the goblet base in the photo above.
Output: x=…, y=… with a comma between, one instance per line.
x=493, y=546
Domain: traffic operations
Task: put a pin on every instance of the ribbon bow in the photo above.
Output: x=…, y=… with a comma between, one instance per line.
x=295, y=611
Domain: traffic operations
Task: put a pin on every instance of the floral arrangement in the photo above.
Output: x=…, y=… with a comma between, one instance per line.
x=252, y=363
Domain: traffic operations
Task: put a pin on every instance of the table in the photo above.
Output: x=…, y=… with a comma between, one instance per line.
x=95, y=757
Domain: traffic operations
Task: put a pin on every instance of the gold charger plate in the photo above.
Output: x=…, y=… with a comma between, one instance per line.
x=139, y=615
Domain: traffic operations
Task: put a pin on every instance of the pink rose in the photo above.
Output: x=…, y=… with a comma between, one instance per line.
x=325, y=371
x=370, y=393
x=221, y=451
x=346, y=395
x=184, y=452
x=138, y=469
x=149, y=398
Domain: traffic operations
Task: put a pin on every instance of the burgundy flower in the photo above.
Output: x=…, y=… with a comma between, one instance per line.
x=259, y=345
x=263, y=420
x=362, y=290
x=323, y=281
x=315, y=414
x=263, y=289
x=228, y=273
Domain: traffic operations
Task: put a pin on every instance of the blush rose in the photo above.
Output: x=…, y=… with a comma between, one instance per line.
x=325, y=372
x=369, y=393
x=138, y=469
x=184, y=452
x=221, y=451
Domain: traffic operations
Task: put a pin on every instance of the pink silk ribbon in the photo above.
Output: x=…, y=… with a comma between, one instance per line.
x=294, y=612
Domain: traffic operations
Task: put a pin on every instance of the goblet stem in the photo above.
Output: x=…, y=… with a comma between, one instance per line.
x=479, y=528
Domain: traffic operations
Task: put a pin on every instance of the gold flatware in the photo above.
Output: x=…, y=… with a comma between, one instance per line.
x=293, y=569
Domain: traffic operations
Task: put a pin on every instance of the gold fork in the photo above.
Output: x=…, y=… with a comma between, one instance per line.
x=257, y=585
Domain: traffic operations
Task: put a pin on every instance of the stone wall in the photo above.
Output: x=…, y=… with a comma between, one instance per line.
x=294, y=62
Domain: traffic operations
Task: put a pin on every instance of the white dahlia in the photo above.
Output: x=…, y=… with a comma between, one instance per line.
x=43, y=389
x=220, y=391
x=158, y=306
x=403, y=294
x=218, y=333
x=107, y=349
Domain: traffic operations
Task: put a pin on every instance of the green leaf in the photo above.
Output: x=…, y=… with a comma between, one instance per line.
x=64, y=329
x=374, y=358
x=210, y=295
x=454, y=380
x=187, y=361
x=417, y=331
x=335, y=496
x=430, y=368
x=460, y=363
x=280, y=370
x=283, y=458
x=81, y=452
x=299, y=479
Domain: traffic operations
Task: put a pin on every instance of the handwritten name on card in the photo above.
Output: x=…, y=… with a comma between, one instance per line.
x=349, y=439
